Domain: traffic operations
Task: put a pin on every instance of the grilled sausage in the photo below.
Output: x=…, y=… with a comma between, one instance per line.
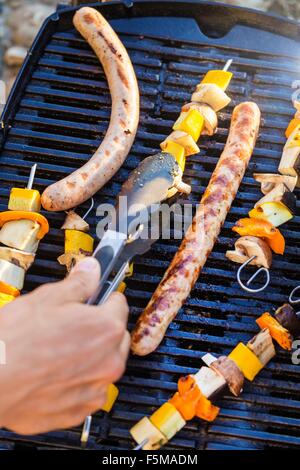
x=86, y=181
x=201, y=236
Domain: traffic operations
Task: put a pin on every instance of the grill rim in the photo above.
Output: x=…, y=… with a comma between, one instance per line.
x=140, y=8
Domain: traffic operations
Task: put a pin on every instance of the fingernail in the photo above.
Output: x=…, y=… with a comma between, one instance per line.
x=88, y=264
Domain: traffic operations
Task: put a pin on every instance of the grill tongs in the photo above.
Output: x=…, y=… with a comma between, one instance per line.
x=135, y=226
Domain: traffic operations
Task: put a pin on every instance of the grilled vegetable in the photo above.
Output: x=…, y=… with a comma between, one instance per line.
x=248, y=246
x=112, y=395
x=278, y=332
x=212, y=95
x=221, y=78
x=75, y=222
x=26, y=215
x=206, y=410
x=70, y=259
x=209, y=381
x=290, y=162
x=144, y=430
x=190, y=401
x=291, y=127
x=11, y=274
x=263, y=229
x=5, y=299
x=274, y=212
x=191, y=122
x=167, y=420
x=246, y=361
x=24, y=200
x=185, y=400
x=269, y=181
x=20, y=258
x=287, y=318
x=230, y=372
x=209, y=115
x=76, y=241
x=178, y=153
x=9, y=290
x=262, y=346
x=184, y=139
x=280, y=193
x=21, y=234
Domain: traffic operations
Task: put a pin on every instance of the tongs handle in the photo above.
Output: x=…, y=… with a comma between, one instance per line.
x=107, y=254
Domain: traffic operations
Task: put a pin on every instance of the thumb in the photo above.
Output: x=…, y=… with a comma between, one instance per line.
x=81, y=283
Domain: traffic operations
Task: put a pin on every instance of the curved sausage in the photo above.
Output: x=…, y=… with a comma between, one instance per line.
x=201, y=236
x=86, y=181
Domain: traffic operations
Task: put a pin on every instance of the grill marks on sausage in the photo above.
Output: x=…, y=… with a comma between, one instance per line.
x=123, y=77
x=200, y=238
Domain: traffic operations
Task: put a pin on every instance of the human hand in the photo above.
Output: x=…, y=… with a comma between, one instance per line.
x=61, y=354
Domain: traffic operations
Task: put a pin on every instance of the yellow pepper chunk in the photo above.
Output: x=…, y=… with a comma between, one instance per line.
x=221, y=78
x=191, y=122
x=167, y=420
x=129, y=273
x=5, y=299
x=24, y=200
x=177, y=151
x=294, y=138
x=122, y=287
x=76, y=241
x=112, y=395
x=246, y=361
x=291, y=127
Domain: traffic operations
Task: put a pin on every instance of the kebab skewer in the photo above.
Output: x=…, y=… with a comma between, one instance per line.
x=259, y=233
x=195, y=392
x=21, y=229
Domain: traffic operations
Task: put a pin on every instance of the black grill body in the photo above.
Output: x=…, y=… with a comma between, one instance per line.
x=56, y=116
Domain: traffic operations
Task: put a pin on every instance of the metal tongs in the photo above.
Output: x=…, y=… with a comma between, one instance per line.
x=151, y=183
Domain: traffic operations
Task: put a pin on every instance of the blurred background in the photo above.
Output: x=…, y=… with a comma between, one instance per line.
x=20, y=21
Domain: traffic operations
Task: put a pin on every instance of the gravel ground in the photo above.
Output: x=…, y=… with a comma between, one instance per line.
x=22, y=19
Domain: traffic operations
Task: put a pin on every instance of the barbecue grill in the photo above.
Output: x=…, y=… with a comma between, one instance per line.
x=56, y=115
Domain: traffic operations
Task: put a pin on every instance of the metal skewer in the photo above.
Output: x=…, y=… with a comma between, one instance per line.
x=90, y=209
x=31, y=176
x=253, y=277
x=141, y=445
x=227, y=65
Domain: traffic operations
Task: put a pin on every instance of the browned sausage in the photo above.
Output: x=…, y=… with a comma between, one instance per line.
x=201, y=236
x=86, y=181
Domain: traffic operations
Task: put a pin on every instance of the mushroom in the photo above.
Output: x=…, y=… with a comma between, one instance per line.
x=185, y=140
x=269, y=181
x=211, y=94
x=19, y=258
x=262, y=346
x=210, y=116
x=248, y=246
x=288, y=318
x=70, y=259
x=280, y=193
x=75, y=222
x=230, y=372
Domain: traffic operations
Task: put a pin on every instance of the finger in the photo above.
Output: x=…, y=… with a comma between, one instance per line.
x=116, y=307
x=81, y=284
x=125, y=346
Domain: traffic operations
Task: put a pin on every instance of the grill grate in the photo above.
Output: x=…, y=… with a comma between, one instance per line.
x=218, y=314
